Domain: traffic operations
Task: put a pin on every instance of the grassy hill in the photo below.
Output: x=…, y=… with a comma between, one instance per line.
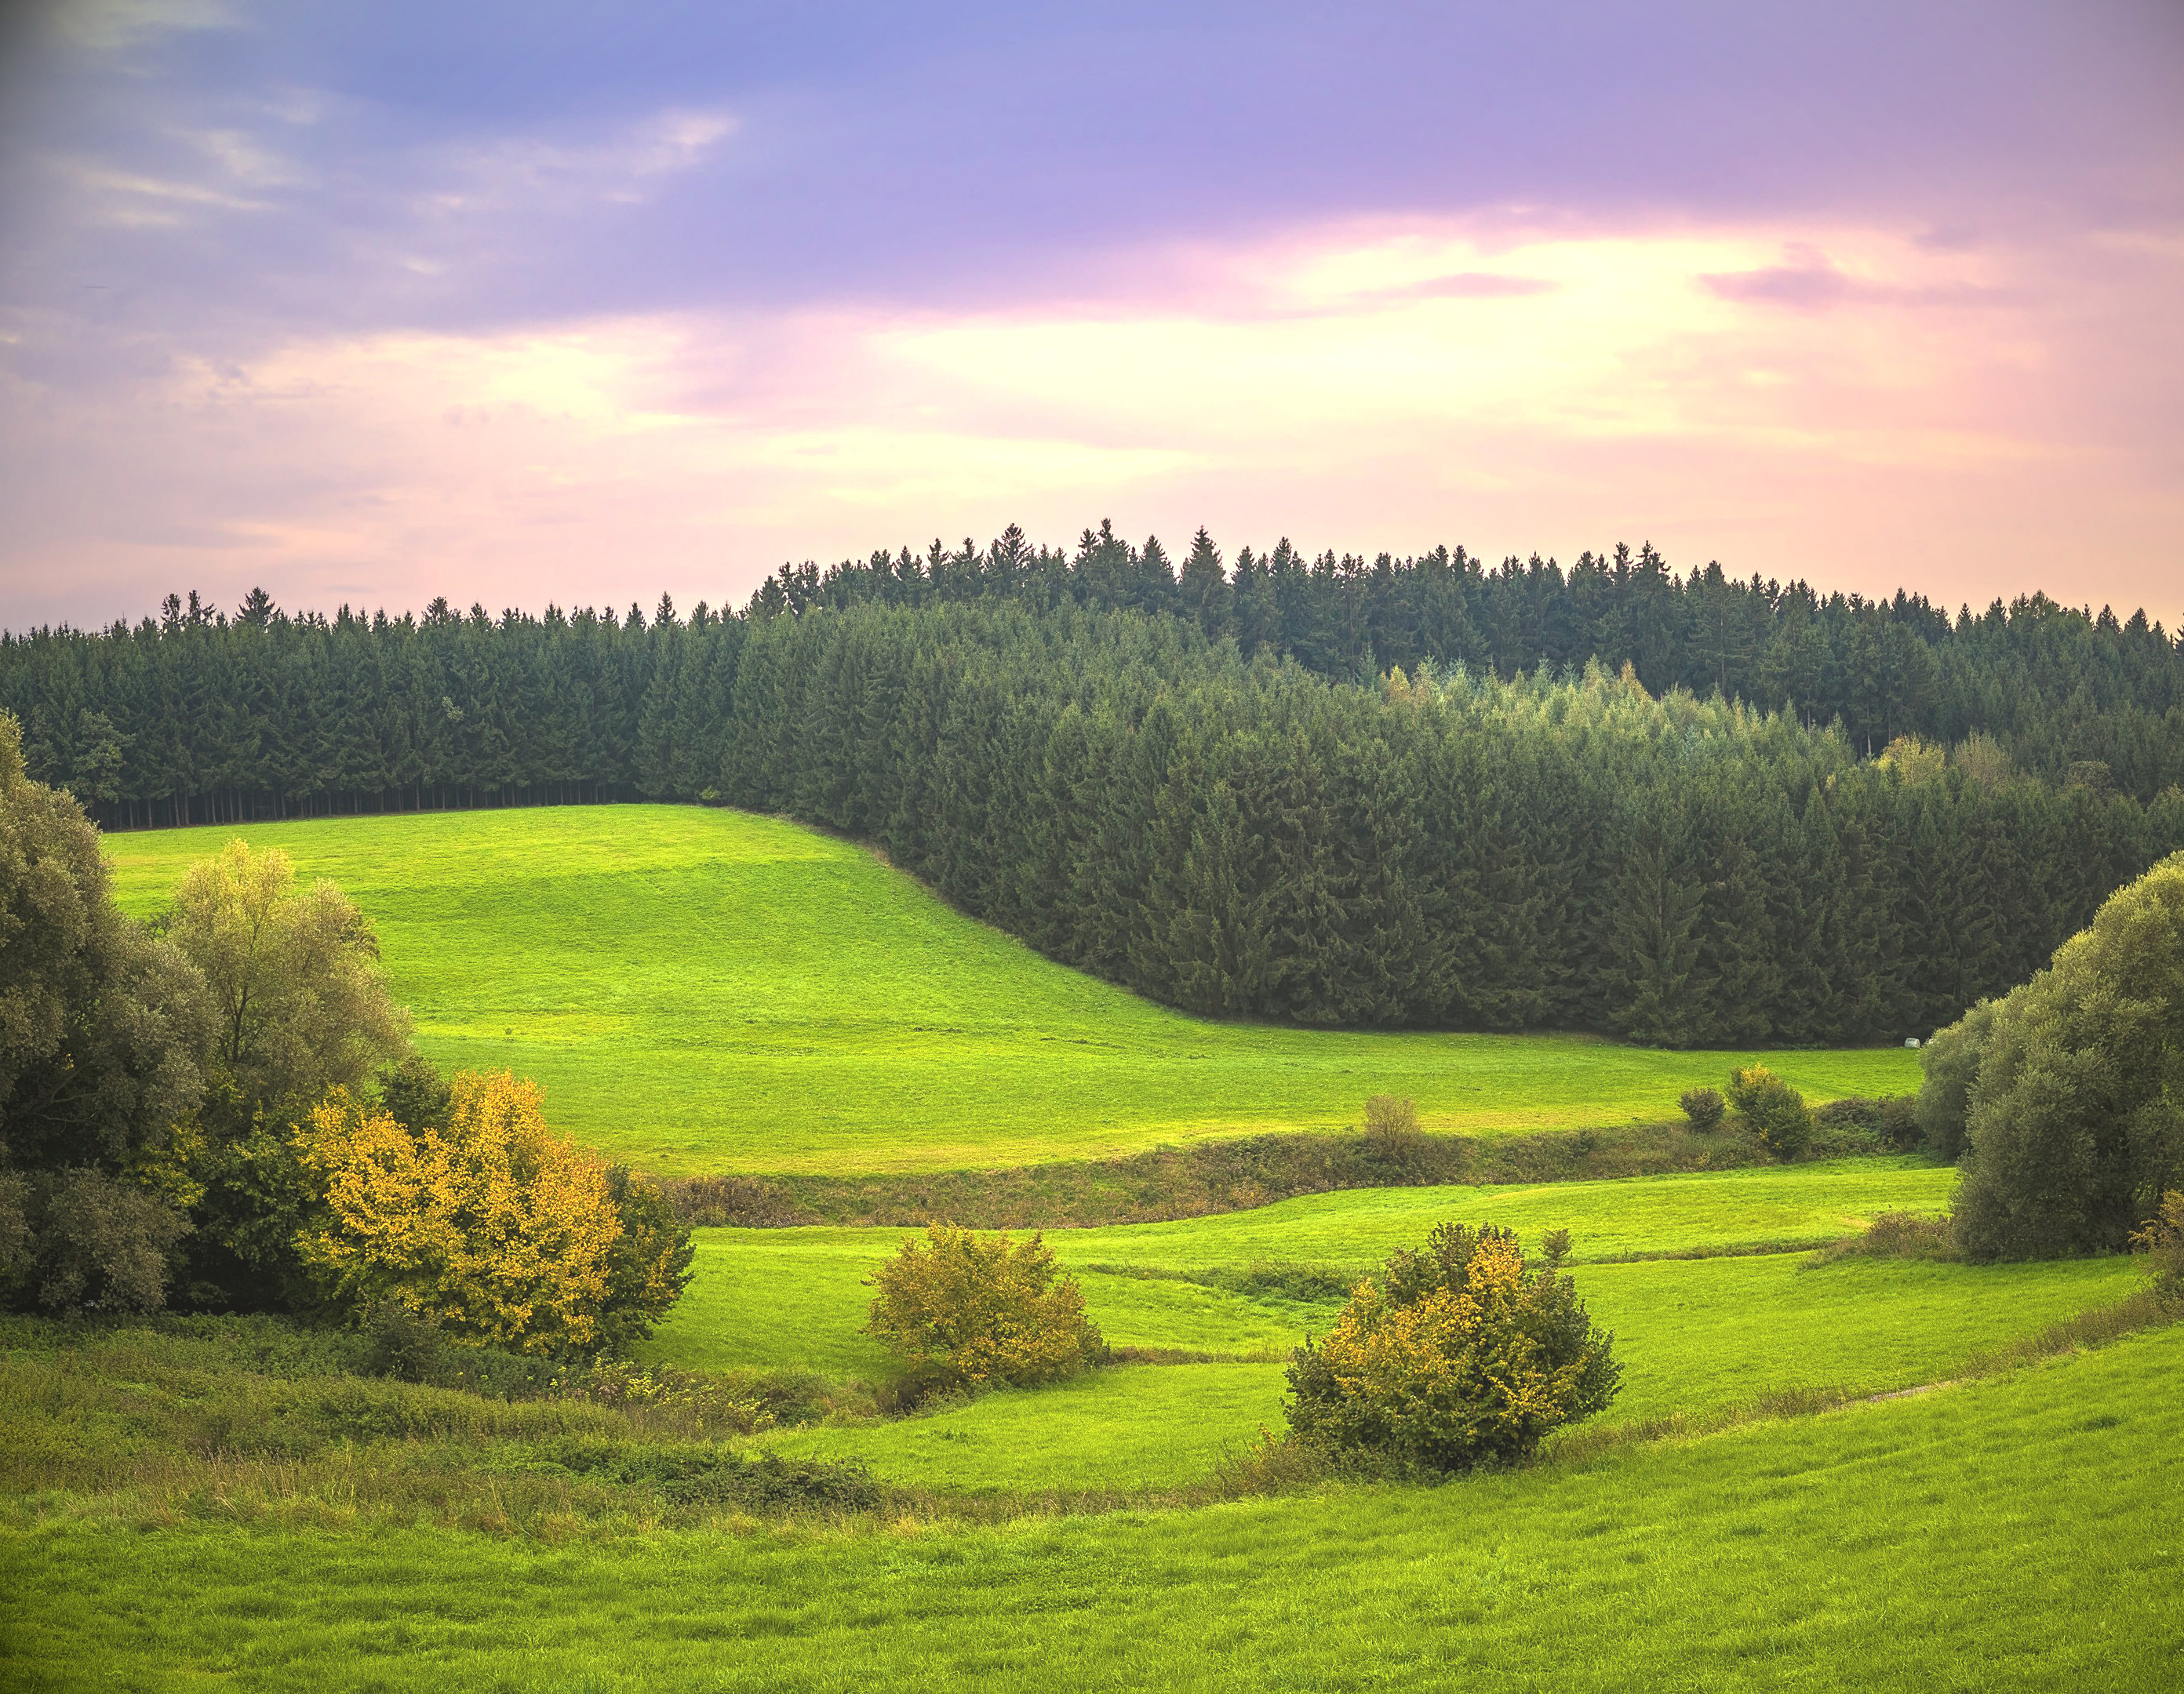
x=704, y=991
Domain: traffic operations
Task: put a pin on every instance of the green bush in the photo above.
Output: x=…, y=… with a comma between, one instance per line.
x=1455, y=1356
x=2077, y=1114
x=967, y=1311
x=1703, y=1106
x=648, y=1267
x=1896, y=1234
x=1772, y=1109
x=1275, y=1278
x=1951, y=1062
x=1899, y=1127
x=405, y=1345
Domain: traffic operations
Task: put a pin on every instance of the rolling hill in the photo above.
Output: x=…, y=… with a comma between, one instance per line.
x=704, y=990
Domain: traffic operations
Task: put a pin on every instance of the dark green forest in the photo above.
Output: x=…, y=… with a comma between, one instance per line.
x=1401, y=792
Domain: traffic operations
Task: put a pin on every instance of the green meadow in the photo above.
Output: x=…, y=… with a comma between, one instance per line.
x=704, y=990
x=794, y=1297
x=1698, y=1336
x=2014, y=1533
x=1819, y=1474
x=1698, y=1339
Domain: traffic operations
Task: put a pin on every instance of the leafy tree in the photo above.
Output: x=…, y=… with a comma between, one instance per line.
x=301, y=1010
x=1773, y=1111
x=495, y=1227
x=103, y=1028
x=965, y=1310
x=1456, y=1357
x=1950, y=1063
x=2076, y=1124
x=301, y=1000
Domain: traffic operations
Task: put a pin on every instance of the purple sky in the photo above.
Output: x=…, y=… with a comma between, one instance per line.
x=547, y=301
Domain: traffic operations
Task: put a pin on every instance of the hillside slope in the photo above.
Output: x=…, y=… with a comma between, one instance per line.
x=705, y=991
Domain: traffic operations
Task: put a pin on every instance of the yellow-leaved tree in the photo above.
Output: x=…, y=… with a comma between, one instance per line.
x=489, y=1224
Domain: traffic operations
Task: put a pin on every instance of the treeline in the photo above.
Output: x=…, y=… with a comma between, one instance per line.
x=1225, y=830
x=196, y=717
x=2068, y=695
x=1444, y=850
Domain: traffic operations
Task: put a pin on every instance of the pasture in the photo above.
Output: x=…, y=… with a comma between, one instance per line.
x=1698, y=1336
x=1698, y=1339
x=2014, y=1533
x=229, y=1503
x=704, y=990
x=791, y=1297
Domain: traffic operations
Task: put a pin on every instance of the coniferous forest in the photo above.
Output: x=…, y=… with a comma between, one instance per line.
x=1419, y=792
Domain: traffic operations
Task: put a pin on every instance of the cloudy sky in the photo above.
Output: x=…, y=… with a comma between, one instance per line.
x=550, y=300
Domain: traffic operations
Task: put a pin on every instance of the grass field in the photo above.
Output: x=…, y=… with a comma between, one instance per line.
x=228, y=1504
x=792, y=1297
x=704, y=991
x=1697, y=1336
x=2014, y=1533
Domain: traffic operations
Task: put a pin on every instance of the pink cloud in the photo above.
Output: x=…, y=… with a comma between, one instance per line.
x=1358, y=387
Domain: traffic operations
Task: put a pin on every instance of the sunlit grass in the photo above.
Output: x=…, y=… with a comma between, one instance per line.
x=1697, y=1336
x=704, y=990
x=795, y=1296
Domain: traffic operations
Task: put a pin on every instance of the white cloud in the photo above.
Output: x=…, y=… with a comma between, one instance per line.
x=535, y=173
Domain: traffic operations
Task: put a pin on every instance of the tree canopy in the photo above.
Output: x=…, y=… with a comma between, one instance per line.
x=2075, y=1125
x=103, y=1028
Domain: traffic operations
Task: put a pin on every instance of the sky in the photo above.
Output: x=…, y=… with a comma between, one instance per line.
x=535, y=302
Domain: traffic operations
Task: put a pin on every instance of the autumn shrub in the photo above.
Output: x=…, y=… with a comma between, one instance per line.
x=967, y=1311
x=491, y=1226
x=1704, y=1107
x=2162, y=1240
x=1455, y=1356
x=1772, y=1109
